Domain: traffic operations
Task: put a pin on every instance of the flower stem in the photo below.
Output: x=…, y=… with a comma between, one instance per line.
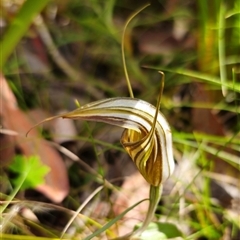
x=155, y=194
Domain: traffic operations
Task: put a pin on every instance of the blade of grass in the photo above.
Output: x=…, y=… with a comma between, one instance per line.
x=221, y=47
x=228, y=157
x=113, y=221
x=80, y=209
x=201, y=76
x=20, y=237
x=203, y=18
x=208, y=138
x=18, y=27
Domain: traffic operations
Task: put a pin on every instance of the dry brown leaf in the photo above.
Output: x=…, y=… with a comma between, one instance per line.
x=56, y=185
x=134, y=189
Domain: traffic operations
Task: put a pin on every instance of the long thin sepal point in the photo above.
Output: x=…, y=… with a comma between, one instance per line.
x=122, y=48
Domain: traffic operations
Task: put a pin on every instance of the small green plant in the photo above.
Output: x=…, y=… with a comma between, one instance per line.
x=30, y=173
x=29, y=170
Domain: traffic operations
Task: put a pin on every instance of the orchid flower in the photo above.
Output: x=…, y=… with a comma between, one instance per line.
x=146, y=137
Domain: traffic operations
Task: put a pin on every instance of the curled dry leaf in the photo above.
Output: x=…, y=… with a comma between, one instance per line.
x=56, y=185
x=133, y=189
x=7, y=148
